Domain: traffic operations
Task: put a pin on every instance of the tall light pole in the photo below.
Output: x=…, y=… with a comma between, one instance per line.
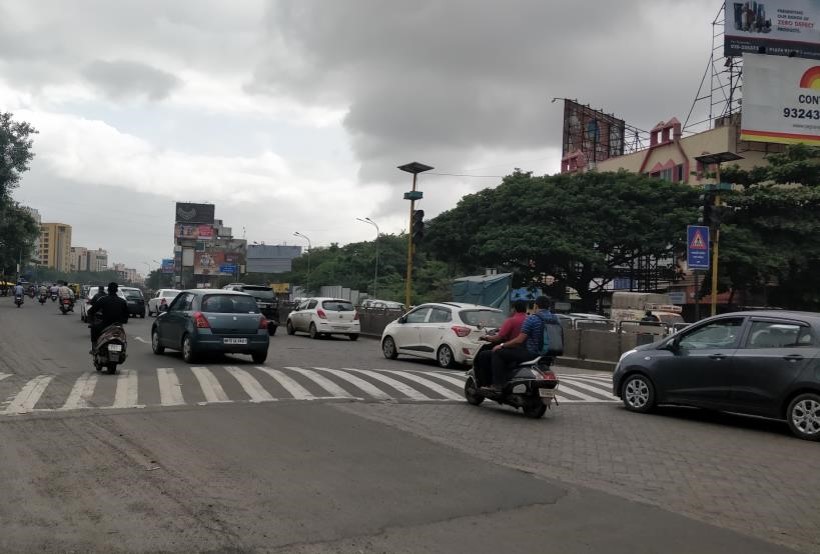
x=378, y=234
x=415, y=168
x=310, y=247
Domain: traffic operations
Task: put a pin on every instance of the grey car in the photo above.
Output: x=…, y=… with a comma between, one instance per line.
x=201, y=321
x=761, y=363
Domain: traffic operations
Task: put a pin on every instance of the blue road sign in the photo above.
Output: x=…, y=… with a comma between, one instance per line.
x=697, y=247
x=227, y=268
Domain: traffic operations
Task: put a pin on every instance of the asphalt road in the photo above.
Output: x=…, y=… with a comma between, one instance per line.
x=156, y=460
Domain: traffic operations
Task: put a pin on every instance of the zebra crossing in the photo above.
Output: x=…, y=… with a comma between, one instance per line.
x=202, y=385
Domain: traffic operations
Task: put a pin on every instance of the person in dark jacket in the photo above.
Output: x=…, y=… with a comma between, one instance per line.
x=100, y=293
x=113, y=310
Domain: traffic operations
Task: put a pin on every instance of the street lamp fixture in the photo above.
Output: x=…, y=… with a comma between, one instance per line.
x=310, y=247
x=378, y=233
x=415, y=168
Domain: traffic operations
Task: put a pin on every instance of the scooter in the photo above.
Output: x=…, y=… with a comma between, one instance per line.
x=530, y=386
x=18, y=299
x=66, y=305
x=110, y=348
x=43, y=298
x=53, y=296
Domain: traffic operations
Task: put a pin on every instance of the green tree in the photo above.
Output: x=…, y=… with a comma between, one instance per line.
x=578, y=228
x=18, y=232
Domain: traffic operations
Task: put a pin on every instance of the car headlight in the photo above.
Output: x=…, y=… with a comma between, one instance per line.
x=625, y=354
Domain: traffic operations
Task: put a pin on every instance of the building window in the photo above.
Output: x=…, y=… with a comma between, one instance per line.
x=667, y=174
x=679, y=173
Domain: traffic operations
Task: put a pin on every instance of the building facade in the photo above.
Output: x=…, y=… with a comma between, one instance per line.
x=79, y=259
x=97, y=260
x=55, y=246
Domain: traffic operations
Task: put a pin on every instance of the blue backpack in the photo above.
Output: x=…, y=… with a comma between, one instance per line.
x=552, y=343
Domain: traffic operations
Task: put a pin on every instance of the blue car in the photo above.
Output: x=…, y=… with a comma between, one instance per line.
x=201, y=321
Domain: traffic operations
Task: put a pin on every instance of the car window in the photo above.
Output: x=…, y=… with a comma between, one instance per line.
x=337, y=306
x=169, y=293
x=181, y=303
x=229, y=304
x=133, y=294
x=440, y=315
x=312, y=304
x=302, y=305
x=482, y=318
x=418, y=316
x=771, y=334
x=723, y=333
x=263, y=294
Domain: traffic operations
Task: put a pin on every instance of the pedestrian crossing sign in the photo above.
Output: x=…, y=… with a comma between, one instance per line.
x=697, y=242
x=697, y=247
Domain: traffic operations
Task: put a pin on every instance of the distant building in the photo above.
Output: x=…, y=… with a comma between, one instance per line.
x=97, y=260
x=79, y=259
x=55, y=246
x=264, y=258
x=127, y=274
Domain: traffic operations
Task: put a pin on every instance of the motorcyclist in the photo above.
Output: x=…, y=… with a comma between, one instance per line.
x=510, y=329
x=65, y=293
x=100, y=294
x=18, y=290
x=54, y=289
x=43, y=290
x=113, y=310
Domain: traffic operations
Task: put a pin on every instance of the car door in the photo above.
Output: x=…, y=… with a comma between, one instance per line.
x=407, y=335
x=697, y=368
x=774, y=354
x=171, y=324
x=431, y=332
x=306, y=314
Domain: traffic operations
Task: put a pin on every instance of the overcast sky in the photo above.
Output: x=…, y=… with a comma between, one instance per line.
x=292, y=116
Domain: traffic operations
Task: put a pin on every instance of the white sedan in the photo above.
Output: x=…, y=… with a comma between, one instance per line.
x=447, y=332
x=161, y=300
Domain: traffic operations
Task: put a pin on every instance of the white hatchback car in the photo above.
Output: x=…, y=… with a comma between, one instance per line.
x=161, y=300
x=325, y=316
x=447, y=332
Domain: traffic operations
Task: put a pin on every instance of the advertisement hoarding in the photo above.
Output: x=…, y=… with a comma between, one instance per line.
x=187, y=212
x=779, y=27
x=216, y=262
x=598, y=135
x=193, y=232
x=781, y=100
x=167, y=265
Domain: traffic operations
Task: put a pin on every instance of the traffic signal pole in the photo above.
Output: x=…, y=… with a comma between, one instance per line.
x=715, y=247
x=408, y=284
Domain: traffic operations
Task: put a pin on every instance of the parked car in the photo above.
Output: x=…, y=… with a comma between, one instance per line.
x=324, y=316
x=373, y=303
x=135, y=301
x=161, y=300
x=447, y=332
x=85, y=303
x=266, y=301
x=761, y=363
x=200, y=321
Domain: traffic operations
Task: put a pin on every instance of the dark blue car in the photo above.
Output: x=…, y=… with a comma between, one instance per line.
x=201, y=321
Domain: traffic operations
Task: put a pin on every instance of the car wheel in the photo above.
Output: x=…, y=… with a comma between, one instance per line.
x=188, y=353
x=155, y=345
x=289, y=328
x=259, y=357
x=142, y=315
x=150, y=313
x=445, y=357
x=804, y=416
x=638, y=393
x=389, y=348
x=272, y=329
x=314, y=334
x=353, y=336
x=471, y=392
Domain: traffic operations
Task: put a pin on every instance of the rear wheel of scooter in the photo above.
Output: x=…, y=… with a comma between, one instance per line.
x=112, y=368
x=471, y=392
x=534, y=408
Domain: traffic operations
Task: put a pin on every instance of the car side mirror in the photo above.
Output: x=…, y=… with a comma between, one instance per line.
x=402, y=319
x=674, y=345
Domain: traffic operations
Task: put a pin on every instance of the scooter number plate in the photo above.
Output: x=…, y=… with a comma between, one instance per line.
x=546, y=393
x=115, y=348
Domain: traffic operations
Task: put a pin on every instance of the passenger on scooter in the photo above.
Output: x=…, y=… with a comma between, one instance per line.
x=523, y=348
x=510, y=329
x=100, y=294
x=113, y=310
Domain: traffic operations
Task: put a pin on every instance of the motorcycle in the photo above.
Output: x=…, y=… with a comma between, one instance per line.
x=53, y=296
x=18, y=299
x=43, y=298
x=109, y=350
x=530, y=386
x=66, y=305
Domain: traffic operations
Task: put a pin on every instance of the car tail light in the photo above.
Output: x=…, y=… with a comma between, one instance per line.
x=162, y=301
x=549, y=375
x=461, y=331
x=321, y=314
x=200, y=321
x=263, y=323
x=356, y=316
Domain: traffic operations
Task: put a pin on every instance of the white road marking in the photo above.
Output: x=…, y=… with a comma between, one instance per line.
x=126, y=394
x=249, y=383
x=322, y=381
x=572, y=385
x=296, y=390
x=209, y=384
x=446, y=393
x=142, y=340
x=371, y=390
x=170, y=392
x=4, y=375
x=406, y=390
x=592, y=378
x=27, y=398
x=81, y=392
x=450, y=379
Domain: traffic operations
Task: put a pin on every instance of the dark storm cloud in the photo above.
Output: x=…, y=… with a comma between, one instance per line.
x=445, y=81
x=122, y=79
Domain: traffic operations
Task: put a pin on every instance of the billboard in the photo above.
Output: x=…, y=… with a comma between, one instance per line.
x=194, y=213
x=167, y=265
x=216, y=262
x=781, y=100
x=779, y=27
x=193, y=232
x=597, y=135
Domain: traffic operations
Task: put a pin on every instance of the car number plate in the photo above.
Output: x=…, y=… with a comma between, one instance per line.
x=235, y=341
x=546, y=393
x=115, y=348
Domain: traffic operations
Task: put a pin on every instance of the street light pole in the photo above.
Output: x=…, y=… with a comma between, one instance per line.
x=378, y=234
x=415, y=168
x=310, y=247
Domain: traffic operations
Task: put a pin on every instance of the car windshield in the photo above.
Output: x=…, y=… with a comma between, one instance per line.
x=264, y=294
x=229, y=304
x=337, y=306
x=482, y=318
x=170, y=293
x=133, y=294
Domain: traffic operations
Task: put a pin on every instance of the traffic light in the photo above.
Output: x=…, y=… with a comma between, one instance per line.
x=706, y=209
x=418, y=225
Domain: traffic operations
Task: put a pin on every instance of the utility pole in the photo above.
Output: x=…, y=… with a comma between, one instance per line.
x=415, y=168
x=378, y=234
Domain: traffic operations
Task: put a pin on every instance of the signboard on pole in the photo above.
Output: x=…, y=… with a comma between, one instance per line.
x=781, y=100
x=778, y=27
x=167, y=265
x=697, y=247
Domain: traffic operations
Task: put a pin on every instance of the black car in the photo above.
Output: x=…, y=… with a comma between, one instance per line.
x=762, y=363
x=135, y=300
